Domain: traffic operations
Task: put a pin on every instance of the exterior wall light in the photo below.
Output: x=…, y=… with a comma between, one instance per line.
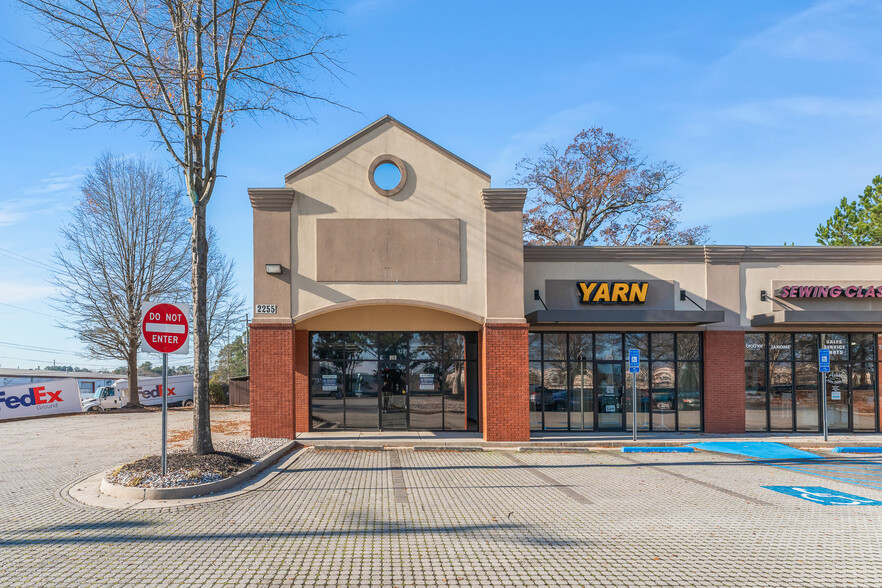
x=764, y=295
x=274, y=268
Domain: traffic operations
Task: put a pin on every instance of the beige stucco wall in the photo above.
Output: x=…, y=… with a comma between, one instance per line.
x=757, y=277
x=437, y=187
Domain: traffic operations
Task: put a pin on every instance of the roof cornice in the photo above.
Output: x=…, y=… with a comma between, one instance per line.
x=711, y=254
x=292, y=175
x=504, y=198
x=271, y=198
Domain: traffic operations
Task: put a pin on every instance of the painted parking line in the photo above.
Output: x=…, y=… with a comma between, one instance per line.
x=865, y=472
x=657, y=450
x=546, y=478
x=399, y=489
x=826, y=496
x=856, y=450
x=726, y=491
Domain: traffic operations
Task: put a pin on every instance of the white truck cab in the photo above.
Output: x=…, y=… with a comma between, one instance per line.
x=105, y=398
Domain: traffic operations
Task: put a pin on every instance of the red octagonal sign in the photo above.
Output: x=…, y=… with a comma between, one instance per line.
x=164, y=327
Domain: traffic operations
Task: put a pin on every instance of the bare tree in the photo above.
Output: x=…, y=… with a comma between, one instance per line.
x=600, y=187
x=126, y=243
x=183, y=69
x=226, y=308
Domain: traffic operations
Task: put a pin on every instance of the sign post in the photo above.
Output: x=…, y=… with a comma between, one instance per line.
x=165, y=329
x=824, y=368
x=634, y=368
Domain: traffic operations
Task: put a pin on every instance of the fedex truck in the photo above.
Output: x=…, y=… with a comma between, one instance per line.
x=180, y=393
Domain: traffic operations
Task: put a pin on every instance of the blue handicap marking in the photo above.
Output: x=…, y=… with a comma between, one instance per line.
x=820, y=495
x=824, y=360
x=633, y=360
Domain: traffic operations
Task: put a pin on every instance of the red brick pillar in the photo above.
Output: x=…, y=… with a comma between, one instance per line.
x=724, y=382
x=505, y=393
x=271, y=359
x=301, y=382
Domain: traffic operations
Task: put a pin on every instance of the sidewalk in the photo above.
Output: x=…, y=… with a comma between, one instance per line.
x=452, y=439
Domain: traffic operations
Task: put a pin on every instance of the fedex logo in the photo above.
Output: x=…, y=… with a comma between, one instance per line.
x=155, y=392
x=34, y=396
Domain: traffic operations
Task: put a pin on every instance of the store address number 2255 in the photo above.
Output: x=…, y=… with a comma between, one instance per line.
x=266, y=309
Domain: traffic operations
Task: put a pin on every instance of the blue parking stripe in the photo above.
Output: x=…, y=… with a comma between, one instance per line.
x=856, y=450
x=657, y=450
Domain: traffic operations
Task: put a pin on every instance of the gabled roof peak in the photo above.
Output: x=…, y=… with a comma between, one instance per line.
x=371, y=127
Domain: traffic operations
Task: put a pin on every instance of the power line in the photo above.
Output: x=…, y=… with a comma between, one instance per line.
x=58, y=318
x=30, y=260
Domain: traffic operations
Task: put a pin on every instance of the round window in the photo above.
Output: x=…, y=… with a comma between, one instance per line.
x=387, y=175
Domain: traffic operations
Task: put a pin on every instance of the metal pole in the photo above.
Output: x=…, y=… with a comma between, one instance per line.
x=634, y=405
x=824, y=401
x=164, y=410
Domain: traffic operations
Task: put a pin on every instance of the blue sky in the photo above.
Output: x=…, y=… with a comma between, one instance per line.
x=774, y=110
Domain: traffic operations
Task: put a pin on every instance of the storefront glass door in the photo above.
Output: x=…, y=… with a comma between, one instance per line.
x=582, y=396
x=838, y=398
x=393, y=395
x=609, y=396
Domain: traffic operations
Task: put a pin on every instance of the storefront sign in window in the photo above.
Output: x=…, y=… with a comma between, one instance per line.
x=427, y=381
x=329, y=383
x=613, y=292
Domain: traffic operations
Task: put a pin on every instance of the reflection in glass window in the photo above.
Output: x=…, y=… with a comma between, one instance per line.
x=425, y=346
x=536, y=395
x=863, y=385
x=688, y=346
x=608, y=346
x=755, y=346
x=554, y=346
x=780, y=395
x=806, y=346
x=555, y=400
x=454, y=346
x=581, y=346
x=663, y=396
x=862, y=347
x=807, y=413
x=535, y=343
x=837, y=344
x=663, y=346
x=755, y=396
x=639, y=341
x=326, y=395
x=688, y=395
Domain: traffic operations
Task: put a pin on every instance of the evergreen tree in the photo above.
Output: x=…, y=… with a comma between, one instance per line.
x=858, y=222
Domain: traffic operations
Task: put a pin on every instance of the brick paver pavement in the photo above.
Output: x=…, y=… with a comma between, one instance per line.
x=401, y=517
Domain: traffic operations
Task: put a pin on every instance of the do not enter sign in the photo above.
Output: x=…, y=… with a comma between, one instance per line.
x=165, y=327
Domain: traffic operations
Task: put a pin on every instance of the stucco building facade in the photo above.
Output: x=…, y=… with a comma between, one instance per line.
x=414, y=304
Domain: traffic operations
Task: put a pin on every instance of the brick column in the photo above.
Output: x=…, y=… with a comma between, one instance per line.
x=271, y=359
x=724, y=382
x=505, y=397
x=301, y=382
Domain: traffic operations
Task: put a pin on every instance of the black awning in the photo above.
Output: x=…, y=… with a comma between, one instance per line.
x=817, y=317
x=617, y=317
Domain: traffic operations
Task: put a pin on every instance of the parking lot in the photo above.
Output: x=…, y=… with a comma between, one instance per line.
x=405, y=517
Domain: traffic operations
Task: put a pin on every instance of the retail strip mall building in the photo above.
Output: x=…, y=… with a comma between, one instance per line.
x=416, y=305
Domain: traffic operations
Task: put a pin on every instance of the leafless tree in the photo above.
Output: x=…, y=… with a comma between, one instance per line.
x=183, y=70
x=126, y=243
x=226, y=308
x=599, y=187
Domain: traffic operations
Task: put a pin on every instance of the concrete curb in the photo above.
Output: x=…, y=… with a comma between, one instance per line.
x=130, y=493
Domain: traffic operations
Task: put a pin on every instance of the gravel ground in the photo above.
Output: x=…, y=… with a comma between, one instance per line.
x=186, y=469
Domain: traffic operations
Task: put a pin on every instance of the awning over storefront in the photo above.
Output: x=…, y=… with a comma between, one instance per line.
x=618, y=317
x=817, y=317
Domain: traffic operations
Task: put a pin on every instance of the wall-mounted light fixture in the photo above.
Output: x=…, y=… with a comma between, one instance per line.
x=764, y=295
x=274, y=268
x=682, y=295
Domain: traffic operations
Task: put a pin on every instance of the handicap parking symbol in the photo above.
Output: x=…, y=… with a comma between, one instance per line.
x=820, y=495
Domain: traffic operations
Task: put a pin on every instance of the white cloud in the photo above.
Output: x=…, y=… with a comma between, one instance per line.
x=12, y=292
x=16, y=211
x=56, y=183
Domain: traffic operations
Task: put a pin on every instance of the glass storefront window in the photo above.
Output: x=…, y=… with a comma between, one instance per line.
x=780, y=395
x=579, y=381
x=780, y=346
x=392, y=380
x=663, y=346
x=688, y=395
x=755, y=401
x=663, y=396
x=688, y=346
x=755, y=346
x=783, y=391
x=608, y=346
x=581, y=346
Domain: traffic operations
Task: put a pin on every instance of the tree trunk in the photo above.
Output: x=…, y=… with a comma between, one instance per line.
x=201, y=416
x=134, y=398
